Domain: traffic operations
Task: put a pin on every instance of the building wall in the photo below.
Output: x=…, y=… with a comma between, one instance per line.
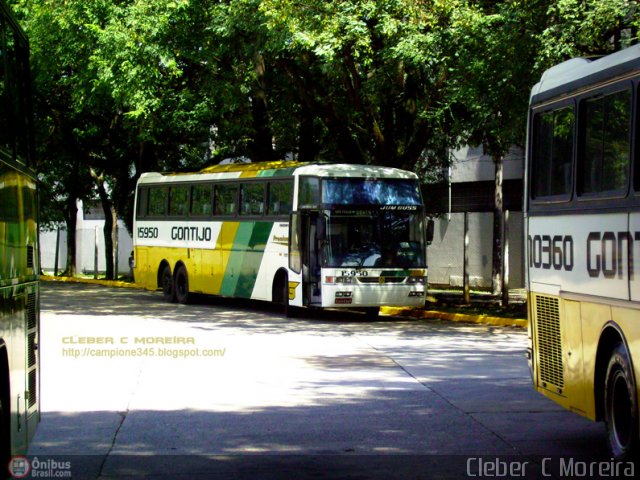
x=87, y=231
x=445, y=256
x=471, y=189
x=85, y=249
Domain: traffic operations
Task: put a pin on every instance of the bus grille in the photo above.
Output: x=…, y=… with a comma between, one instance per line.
x=381, y=279
x=549, y=341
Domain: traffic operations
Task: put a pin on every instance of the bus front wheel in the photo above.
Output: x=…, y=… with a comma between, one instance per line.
x=281, y=295
x=168, y=287
x=621, y=405
x=182, y=285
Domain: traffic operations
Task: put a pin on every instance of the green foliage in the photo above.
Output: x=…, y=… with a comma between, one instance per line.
x=587, y=27
x=124, y=87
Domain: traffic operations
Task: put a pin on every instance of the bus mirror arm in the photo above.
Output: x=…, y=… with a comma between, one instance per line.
x=430, y=227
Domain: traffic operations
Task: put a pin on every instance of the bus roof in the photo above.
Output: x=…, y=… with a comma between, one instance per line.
x=267, y=169
x=351, y=170
x=577, y=73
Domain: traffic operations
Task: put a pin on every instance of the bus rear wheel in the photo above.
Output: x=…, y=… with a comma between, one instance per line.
x=182, y=285
x=168, y=287
x=621, y=406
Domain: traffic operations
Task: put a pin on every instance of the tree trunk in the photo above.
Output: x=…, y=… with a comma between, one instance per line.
x=262, y=145
x=306, y=143
x=109, y=230
x=71, y=218
x=498, y=228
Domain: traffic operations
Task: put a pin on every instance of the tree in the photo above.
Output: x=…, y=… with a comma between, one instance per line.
x=496, y=45
x=108, y=109
x=587, y=28
x=371, y=72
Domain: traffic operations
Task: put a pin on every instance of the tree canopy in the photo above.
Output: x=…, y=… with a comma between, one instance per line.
x=123, y=87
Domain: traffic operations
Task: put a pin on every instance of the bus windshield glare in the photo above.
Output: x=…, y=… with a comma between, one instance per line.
x=382, y=239
x=368, y=191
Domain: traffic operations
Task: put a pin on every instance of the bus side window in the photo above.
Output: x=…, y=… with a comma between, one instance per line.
x=179, y=201
x=552, y=155
x=309, y=195
x=157, y=202
x=252, y=199
x=280, y=198
x=201, y=200
x=225, y=196
x=605, y=143
x=142, y=200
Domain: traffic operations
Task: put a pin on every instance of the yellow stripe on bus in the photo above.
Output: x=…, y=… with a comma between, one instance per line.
x=224, y=246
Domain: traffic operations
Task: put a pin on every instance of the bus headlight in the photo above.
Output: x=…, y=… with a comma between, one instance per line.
x=417, y=280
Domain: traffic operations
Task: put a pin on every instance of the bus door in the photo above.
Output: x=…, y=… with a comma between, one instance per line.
x=312, y=233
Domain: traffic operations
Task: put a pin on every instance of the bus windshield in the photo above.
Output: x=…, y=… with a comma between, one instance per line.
x=369, y=191
x=382, y=239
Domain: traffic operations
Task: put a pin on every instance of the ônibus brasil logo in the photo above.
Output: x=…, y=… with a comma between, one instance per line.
x=19, y=467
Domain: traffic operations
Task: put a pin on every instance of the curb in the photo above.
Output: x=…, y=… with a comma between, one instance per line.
x=393, y=311
x=91, y=281
x=456, y=317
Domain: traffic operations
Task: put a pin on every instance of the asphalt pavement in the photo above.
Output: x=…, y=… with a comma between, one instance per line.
x=136, y=388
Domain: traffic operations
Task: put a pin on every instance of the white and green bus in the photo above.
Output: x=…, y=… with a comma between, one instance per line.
x=19, y=288
x=313, y=235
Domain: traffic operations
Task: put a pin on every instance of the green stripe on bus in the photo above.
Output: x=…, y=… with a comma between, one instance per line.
x=283, y=172
x=232, y=271
x=245, y=259
x=253, y=259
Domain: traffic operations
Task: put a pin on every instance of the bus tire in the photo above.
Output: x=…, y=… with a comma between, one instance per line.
x=621, y=405
x=280, y=294
x=371, y=313
x=181, y=285
x=167, y=284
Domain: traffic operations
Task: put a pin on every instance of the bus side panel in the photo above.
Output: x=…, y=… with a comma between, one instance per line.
x=559, y=365
x=275, y=257
x=241, y=271
x=221, y=255
x=142, y=269
x=577, y=384
x=15, y=330
x=594, y=317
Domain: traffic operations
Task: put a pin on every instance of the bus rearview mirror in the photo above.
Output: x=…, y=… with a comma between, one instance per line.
x=430, y=230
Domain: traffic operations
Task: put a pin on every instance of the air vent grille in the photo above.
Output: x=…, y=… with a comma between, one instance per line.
x=33, y=388
x=30, y=252
x=31, y=311
x=549, y=341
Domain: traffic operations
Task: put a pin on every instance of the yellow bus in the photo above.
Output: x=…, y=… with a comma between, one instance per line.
x=583, y=232
x=19, y=293
x=300, y=235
